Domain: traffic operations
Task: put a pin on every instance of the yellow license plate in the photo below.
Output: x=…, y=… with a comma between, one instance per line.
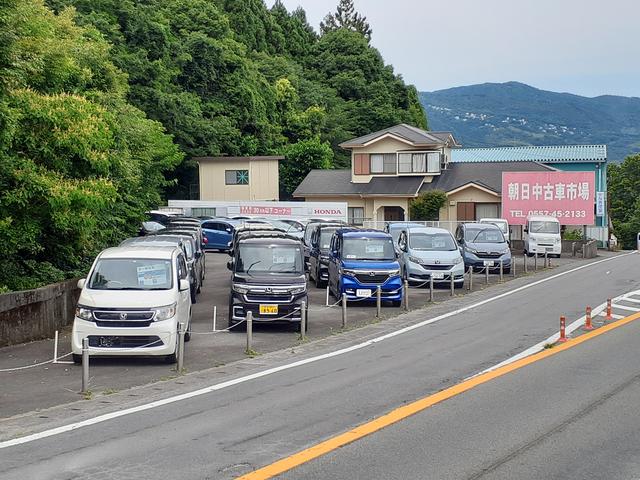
x=268, y=309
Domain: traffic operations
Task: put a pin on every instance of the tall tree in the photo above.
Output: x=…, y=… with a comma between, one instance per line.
x=345, y=16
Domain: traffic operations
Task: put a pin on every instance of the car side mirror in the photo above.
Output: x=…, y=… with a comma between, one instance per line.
x=526, y=230
x=230, y=264
x=184, y=285
x=81, y=283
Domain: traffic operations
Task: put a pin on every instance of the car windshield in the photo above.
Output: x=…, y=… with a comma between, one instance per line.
x=431, y=241
x=484, y=235
x=269, y=259
x=368, y=249
x=131, y=274
x=544, y=227
x=325, y=238
x=501, y=225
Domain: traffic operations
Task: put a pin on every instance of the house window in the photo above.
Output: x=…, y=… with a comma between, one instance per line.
x=361, y=164
x=425, y=162
x=203, y=212
x=356, y=215
x=383, y=163
x=236, y=177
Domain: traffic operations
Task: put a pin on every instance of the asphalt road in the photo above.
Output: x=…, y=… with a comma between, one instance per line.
x=575, y=414
x=234, y=430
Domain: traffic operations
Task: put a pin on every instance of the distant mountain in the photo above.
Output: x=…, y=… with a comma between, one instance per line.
x=512, y=113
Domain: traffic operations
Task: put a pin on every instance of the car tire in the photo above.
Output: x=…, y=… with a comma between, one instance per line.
x=199, y=288
x=458, y=285
x=77, y=358
x=396, y=303
x=506, y=271
x=187, y=334
x=171, y=358
x=319, y=283
x=193, y=295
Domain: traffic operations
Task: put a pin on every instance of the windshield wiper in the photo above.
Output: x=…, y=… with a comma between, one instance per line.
x=251, y=266
x=478, y=234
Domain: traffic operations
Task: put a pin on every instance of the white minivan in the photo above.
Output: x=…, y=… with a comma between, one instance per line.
x=542, y=235
x=501, y=223
x=132, y=303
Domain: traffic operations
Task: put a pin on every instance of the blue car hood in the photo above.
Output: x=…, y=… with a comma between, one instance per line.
x=370, y=264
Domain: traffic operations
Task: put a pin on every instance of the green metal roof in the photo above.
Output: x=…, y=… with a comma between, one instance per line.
x=544, y=154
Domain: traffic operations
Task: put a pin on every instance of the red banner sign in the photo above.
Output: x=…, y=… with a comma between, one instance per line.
x=568, y=196
x=259, y=210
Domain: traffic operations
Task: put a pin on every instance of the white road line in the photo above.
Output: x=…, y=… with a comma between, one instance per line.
x=603, y=314
x=632, y=300
x=271, y=371
x=624, y=307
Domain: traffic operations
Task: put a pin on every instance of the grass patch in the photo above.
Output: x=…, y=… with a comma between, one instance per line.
x=250, y=352
x=109, y=391
x=547, y=346
x=87, y=395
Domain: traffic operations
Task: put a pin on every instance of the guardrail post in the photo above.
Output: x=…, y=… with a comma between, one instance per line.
x=249, y=331
x=378, y=301
x=470, y=279
x=326, y=301
x=587, y=321
x=546, y=259
x=513, y=267
x=452, y=284
x=344, y=310
x=85, y=365
x=405, y=294
x=215, y=315
x=303, y=319
x=486, y=275
x=181, y=330
x=501, y=272
x=431, y=288
x=583, y=250
x=526, y=266
x=535, y=262
x=563, y=336
x=55, y=347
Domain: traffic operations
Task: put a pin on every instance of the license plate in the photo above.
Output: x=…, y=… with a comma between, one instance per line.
x=437, y=276
x=488, y=263
x=268, y=309
x=363, y=292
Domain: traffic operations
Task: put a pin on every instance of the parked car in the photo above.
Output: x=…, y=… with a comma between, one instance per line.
x=308, y=230
x=161, y=216
x=249, y=227
x=396, y=228
x=267, y=279
x=132, y=303
x=193, y=228
x=426, y=253
x=184, y=243
x=197, y=262
x=542, y=235
x=501, y=223
x=319, y=253
x=150, y=227
x=284, y=226
x=360, y=261
x=483, y=246
x=298, y=225
x=219, y=233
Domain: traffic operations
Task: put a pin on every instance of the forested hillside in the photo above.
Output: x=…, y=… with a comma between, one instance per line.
x=512, y=113
x=234, y=77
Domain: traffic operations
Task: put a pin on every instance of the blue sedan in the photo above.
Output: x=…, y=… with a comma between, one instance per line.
x=219, y=233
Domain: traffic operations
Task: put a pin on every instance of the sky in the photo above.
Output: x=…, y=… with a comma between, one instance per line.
x=586, y=47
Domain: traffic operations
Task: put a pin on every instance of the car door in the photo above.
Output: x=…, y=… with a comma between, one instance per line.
x=184, y=297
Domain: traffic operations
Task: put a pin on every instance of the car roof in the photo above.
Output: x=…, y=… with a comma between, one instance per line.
x=429, y=230
x=394, y=225
x=362, y=233
x=482, y=220
x=176, y=235
x=480, y=225
x=270, y=239
x=152, y=239
x=542, y=218
x=129, y=251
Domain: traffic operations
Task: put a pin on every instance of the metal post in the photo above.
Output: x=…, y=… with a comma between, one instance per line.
x=326, y=301
x=85, y=364
x=249, y=331
x=378, y=300
x=55, y=347
x=215, y=315
x=486, y=275
x=535, y=262
x=181, y=330
x=513, y=267
x=546, y=258
x=344, y=310
x=431, y=288
x=452, y=285
x=526, y=267
x=303, y=319
x=470, y=279
x=405, y=294
x=501, y=272
x=583, y=250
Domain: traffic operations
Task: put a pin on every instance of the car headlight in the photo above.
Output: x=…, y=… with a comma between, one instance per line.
x=505, y=251
x=84, y=313
x=471, y=250
x=165, y=313
x=417, y=260
x=239, y=288
x=394, y=273
x=298, y=289
x=348, y=273
x=457, y=260
x=324, y=258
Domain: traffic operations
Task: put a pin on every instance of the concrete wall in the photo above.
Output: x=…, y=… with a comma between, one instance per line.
x=263, y=180
x=36, y=314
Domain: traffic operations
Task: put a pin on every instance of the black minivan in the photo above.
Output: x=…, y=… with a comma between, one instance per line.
x=268, y=279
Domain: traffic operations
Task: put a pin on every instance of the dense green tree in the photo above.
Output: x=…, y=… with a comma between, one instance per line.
x=624, y=199
x=78, y=165
x=300, y=159
x=346, y=17
x=427, y=206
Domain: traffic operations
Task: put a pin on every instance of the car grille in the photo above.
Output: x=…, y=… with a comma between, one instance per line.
x=366, y=278
x=257, y=298
x=488, y=255
x=125, y=341
x=437, y=267
x=123, y=318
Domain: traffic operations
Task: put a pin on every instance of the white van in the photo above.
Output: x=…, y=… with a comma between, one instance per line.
x=132, y=303
x=501, y=223
x=542, y=235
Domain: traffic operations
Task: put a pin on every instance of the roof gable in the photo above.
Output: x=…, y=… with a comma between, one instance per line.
x=408, y=134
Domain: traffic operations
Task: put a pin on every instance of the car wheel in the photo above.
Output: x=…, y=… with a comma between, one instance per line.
x=318, y=281
x=77, y=358
x=458, y=285
x=187, y=334
x=396, y=303
x=199, y=288
x=193, y=295
x=506, y=271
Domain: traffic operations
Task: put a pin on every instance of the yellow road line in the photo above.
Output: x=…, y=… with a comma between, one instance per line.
x=406, y=411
